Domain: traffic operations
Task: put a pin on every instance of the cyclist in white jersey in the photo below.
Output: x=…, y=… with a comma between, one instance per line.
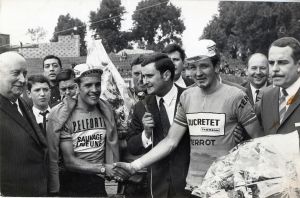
x=210, y=110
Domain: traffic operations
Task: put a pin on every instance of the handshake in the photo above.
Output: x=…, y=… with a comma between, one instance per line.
x=119, y=171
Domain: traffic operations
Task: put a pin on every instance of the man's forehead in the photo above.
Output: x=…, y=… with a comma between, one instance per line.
x=40, y=85
x=11, y=61
x=51, y=60
x=149, y=68
x=280, y=52
x=202, y=61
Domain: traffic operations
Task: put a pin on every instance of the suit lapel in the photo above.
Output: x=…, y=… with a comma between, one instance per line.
x=36, y=132
x=274, y=107
x=249, y=93
x=295, y=102
x=7, y=107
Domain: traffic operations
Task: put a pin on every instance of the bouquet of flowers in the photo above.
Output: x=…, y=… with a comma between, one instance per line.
x=262, y=167
x=113, y=88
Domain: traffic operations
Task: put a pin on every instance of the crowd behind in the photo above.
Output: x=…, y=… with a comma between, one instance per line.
x=58, y=138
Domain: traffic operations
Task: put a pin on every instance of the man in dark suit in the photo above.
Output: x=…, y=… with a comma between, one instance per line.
x=177, y=55
x=279, y=108
x=150, y=123
x=258, y=73
x=23, y=146
x=51, y=67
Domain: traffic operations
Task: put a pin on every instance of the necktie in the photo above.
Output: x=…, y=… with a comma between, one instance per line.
x=256, y=96
x=164, y=117
x=282, y=104
x=44, y=114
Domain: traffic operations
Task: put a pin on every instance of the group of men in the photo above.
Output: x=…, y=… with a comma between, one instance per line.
x=66, y=143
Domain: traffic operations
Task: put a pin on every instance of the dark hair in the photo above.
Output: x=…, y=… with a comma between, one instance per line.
x=292, y=43
x=52, y=57
x=173, y=48
x=36, y=79
x=137, y=60
x=161, y=62
x=65, y=74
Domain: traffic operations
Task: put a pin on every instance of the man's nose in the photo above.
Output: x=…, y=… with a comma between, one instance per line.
x=198, y=71
x=22, y=78
x=275, y=67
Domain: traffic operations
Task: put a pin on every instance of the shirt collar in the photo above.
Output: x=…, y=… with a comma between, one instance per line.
x=254, y=89
x=169, y=97
x=292, y=90
x=180, y=82
x=36, y=111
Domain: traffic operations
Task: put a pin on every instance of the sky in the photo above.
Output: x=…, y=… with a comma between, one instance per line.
x=16, y=16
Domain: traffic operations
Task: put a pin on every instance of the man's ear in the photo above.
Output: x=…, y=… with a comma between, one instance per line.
x=28, y=93
x=298, y=66
x=167, y=75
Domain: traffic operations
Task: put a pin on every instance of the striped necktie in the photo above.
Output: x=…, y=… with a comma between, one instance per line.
x=282, y=104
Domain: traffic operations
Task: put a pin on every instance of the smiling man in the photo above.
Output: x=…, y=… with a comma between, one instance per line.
x=279, y=108
x=84, y=128
x=150, y=123
x=23, y=148
x=258, y=73
x=210, y=110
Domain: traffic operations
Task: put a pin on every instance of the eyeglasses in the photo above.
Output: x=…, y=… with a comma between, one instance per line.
x=70, y=88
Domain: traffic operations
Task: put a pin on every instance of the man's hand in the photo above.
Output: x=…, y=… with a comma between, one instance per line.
x=238, y=134
x=123, y=166
x=148, y=124
x=118, y=175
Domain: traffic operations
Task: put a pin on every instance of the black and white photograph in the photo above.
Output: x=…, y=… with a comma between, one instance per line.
x=150, y=98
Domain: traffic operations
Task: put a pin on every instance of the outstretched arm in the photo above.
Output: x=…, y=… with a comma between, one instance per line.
x=161, y=150
x=76, y=164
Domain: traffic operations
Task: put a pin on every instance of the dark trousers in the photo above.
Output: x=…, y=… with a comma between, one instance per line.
x=74, y=184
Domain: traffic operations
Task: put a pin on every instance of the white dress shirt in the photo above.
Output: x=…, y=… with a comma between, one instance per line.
x=180, y=82
x=253, y=90
x=38, y=116
x=291, y=90
x=170, y=104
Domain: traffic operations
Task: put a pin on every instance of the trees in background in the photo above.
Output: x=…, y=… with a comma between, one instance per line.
x=66, y=25
x=106, y=22
x=156, y=23
x=36, y=34
x=242, y=28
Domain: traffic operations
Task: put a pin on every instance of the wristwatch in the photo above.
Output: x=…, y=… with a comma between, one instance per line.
x=102, y=169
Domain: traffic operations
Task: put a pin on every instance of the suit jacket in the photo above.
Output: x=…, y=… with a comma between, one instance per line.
x=268, y=113
x=23, y=152
x=249, y=91
x=168, y=174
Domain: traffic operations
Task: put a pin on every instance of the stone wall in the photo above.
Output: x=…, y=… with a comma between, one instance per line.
x=67, y=46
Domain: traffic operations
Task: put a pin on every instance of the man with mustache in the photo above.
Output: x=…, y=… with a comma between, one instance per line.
x=88, y=139
x=39, y=92
x=258, y=73
x=279, y=108
x=23, y=148
x=210, y=110
x=51, y=67
x=151, y=120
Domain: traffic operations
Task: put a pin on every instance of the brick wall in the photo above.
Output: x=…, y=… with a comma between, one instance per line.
x=67, y=46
